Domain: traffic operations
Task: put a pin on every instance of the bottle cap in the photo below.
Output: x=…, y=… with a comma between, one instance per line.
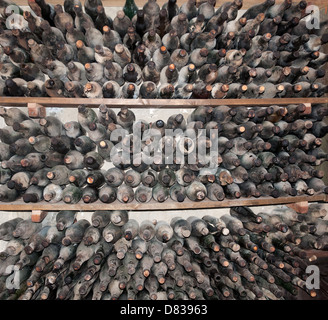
x=222, y=53
x=45, y=25
x=261, y=89
x=305, y=70
x=231, y=35
x=125, y=198
x=225, y=88
x=203, y=52
x=119, y=48
x=191, y=67
x=182, y=53
x=171, y=67
x=69, y=86
x=161, y=198
x=88, y=66
x=260, y=17
x=315, y=54
x=100, y=9
x=140, y=13
x=238, y=3
x=49, y=84
x=242, y=21
x=79, y=44
x=68, y=159
x=182, y=17
x=109, y=87
x=286, y=71
x=314, y=87
x=131, y=30
x=88, y=87
x=106, y=29
x=277, y=20
x=99, y=49
x=297, y=87
x=163, y=49
x=189, y=87
x=142, y=198
x=27, y=14
x=280, y=88
x=285, y=38
x=50, y=175
x=208, y=88
x=71, y=65
x=170, y=87
x=173, y=33
x=212, y=34
x=200, y=195
x=244, y=88
x=130, y=67
x=120, y=14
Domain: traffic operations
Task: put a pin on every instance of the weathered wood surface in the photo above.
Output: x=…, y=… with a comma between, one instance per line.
x=154, y=103
x=19, y=205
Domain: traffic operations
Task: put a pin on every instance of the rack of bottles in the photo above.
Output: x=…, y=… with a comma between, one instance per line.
x=295, y=87
x=310, y=109
x=192, y=56
x=194, y=50
x=242, y=255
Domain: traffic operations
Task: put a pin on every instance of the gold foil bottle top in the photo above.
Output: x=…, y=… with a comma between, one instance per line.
x=79, y=44
x=88, y=87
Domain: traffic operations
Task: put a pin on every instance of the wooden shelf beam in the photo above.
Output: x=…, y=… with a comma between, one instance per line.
x=153, y=103
x=37, y=107
x=38, y=215
x=153, y=205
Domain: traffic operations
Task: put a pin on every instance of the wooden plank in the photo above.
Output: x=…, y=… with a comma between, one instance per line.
x=308, y=108
x=19, y=205
x=153, y=103
x=38, y=215
x=35, y=110
x=300, y=207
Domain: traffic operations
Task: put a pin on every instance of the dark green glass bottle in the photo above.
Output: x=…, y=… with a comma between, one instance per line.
x=130, y=8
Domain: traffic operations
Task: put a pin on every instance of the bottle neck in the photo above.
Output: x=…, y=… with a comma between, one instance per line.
x=129, y=3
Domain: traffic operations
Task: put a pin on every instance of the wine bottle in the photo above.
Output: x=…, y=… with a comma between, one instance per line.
x=163, y=231
x=143, y=194
x=125, y=193
x=11, y=115
x=146, y=230
x=196, y=191
x=121, y=23
x=72, y=194
x=24, y=229
x=102, y=19
x=33, y=194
